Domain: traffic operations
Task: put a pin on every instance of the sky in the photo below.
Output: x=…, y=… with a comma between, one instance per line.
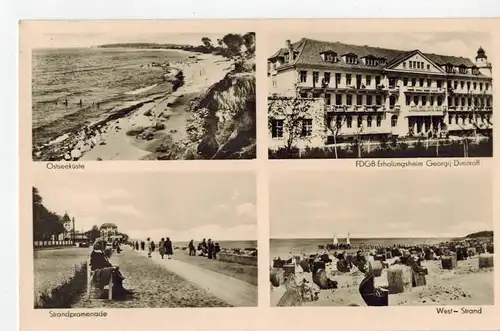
x=443, y=43
x=380, y=204
x=182, y=206
x=62, y=39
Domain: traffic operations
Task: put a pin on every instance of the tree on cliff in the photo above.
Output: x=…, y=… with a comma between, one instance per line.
x=207, y=42
x=249, y=42
x=233, y=43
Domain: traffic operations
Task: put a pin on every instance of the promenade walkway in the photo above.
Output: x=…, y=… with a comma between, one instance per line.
x=235, y=292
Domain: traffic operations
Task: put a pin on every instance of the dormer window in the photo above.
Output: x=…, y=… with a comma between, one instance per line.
x=287, y=57
x=449, y=68
x=382, y=61
x=462, y=69
x=475, y=71
x=351, y=58
x=329, y=56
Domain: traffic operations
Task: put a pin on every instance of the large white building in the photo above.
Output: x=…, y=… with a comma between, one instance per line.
x=364, y=92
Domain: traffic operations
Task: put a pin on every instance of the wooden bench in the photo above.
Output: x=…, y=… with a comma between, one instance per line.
x=90, y=275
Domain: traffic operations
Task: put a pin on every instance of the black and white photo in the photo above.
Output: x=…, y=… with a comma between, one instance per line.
x=140, y=240
x=381, y=238
x=143, y=96
x=380, y=95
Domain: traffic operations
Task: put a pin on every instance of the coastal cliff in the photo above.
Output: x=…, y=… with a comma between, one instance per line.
x=222, y=123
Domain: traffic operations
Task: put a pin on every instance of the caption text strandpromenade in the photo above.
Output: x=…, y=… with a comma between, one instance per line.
x=417, y=164
x=70, y=314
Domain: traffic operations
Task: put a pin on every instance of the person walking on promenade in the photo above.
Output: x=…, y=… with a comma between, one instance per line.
x=161, y=247
x=210, y=247
x=142, y=245
x=150, y=248
x=168, y=248
x=136, y=245
x=192, y=249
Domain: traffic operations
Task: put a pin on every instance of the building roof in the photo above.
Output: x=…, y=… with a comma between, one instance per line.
x=108, y=225
x=310, y=54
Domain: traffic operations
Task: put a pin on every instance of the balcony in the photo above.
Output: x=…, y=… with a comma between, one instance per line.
x=355, y=108
x=421, y=89
x=427, y=110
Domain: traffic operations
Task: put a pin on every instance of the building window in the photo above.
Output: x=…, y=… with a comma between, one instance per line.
x=469, y=101
x=328, y=98
x=440, y=100
x=359, y=100
x=413, y=82
x=378, y=100
x=306, y=127
x=429, y=83
x=349, y=100
x=377, y=80
x=474, y=86
x=480, y=86
x=486, y=86
x=303, y=95
x=338, y=99
x=349, y=121
x=411, y=64
x=449, y=68
x=369, y=100
x=394, y=120
x=488, y=102
x=316, y=95
x=462, y=69
x=392, y=82
x=439, y=83
x=470, y=118
x=415, y=100
x=369, y=121
x=455, y=84
x=277, y=128
x=421, y=82
x=404, y=65
x=424, y=100
x=315, y=76
x=360, y=121
x=468, y=86
x=338, y=77
x=405, y=81
x=408, y=100
x=456, y=119
x=358, y=81
x=462, y=84
x=327, y=78
x=348, y=79
x=303, y=76
x=450, y=118
x=379, y=120
x=368, y=80
x=351, y=59
x=428, y=67
x=392, y=101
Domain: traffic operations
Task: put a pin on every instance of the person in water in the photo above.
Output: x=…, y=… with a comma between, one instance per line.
x=104, y=270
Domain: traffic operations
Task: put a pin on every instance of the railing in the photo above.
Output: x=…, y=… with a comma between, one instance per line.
x=425, y=89
x=52, y=243
x=356, y=108
x=470, y=108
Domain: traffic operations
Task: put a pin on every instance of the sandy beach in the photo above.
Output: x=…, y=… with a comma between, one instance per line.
x=465, y=284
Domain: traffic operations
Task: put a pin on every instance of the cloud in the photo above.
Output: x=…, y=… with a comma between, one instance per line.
x=125, y=210
x=246, y=209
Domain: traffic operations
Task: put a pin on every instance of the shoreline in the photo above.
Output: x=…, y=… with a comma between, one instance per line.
x=109, y=138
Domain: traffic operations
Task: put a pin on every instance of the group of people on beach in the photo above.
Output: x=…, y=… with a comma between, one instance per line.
x=205, y=248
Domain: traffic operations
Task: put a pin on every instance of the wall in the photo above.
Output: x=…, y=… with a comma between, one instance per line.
x=241, y=259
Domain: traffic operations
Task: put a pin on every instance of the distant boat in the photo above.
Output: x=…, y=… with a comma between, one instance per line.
x=335, y=240
x=348, y=241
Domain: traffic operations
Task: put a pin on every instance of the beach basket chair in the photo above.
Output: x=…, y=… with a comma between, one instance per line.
x=90, y=276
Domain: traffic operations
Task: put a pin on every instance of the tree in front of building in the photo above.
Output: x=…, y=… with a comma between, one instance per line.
x=46, y=224
x=289, y=118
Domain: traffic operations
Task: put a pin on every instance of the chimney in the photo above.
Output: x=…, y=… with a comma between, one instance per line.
x=290, y=50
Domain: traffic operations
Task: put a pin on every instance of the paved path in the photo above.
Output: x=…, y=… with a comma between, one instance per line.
x=229, y=289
